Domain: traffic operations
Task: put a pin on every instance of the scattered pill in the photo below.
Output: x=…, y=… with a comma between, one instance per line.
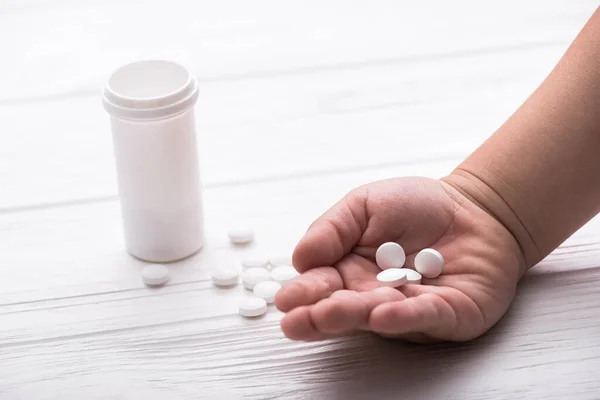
x=283, y=274
x=253, y=276
x=412, y=276
x=155, y=274
x=393, y=277
x=267, y=290
x=429, y=263
x=390, y=255
x=241, y=234
x=225, y=276
x=252, y=307
x=280, y=260
x=255, y=263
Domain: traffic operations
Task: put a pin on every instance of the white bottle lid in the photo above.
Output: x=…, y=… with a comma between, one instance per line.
x=150, y=89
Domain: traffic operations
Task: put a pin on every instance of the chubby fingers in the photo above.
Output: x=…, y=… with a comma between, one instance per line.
x=308, y=288
x=340, y=314
x=426, y=313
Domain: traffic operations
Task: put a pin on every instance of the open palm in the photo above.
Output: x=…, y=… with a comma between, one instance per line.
x=337, y=292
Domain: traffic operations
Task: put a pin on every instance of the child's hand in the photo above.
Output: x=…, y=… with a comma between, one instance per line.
x=338, y=294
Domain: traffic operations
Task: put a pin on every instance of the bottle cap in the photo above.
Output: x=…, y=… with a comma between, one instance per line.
x=149, y=89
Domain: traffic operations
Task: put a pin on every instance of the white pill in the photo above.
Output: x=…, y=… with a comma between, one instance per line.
x=155, y=274
x=280, y=260
x=412, y=276
x=429, y=263
x=393, y=277
x=267, y=290
x=252, y=276
x=225, y=276
x=390, y=255
x=252, y=307
x=284, y=274
x=255, y=262
x=241, y=234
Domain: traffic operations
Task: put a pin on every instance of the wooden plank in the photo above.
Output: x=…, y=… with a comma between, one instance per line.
x=75, y=319
x=267, y=128
x=321, y=105
x=73, y=45
x=311, y=80
x=79, y=249
x=539, y=351
x=75, y=243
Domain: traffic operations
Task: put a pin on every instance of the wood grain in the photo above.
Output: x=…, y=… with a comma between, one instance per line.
x=232, y=38
x=301, y=102
x=82, y=316
x=325, y=87
x=543, y=348
x=372, y=115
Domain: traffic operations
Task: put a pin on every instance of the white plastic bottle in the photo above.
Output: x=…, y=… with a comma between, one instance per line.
x=151, y=104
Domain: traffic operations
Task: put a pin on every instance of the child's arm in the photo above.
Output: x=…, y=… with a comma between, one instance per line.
x=515, y=199
x=539, y=174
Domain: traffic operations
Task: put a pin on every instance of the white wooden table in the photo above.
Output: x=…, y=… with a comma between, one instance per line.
x=300, y=102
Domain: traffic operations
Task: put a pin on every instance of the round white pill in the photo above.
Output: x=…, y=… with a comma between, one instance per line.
x=390, y=255
x=225, y=276
x=393, y=277
x=241, y=234
x=252, y=276
x=412, y=276
x=252, y=307
x=283, y=274
x=280, y=260
x=255, y=263
x=267, y=290
x=155, y=274
x=429, y=263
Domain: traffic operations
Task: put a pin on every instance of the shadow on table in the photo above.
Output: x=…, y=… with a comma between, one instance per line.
x=380, y=369
x=394, y=370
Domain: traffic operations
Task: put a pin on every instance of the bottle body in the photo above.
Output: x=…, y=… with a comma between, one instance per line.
x=159, y=186
x=151, y=105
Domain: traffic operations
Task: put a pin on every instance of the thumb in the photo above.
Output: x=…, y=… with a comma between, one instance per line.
x=334, y=234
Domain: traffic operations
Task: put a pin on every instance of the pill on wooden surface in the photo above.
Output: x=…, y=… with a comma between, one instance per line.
x=252, y=307
x=155, y=274
x=225, y=276
x=283, y=274
x=253, y=276
x=241, y=234
x=267, y=290
x=412, y=276
x=390, y=255
x=393, y=277
x=255, y=262
x=429, y=263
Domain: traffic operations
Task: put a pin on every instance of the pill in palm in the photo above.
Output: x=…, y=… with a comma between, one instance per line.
x=155, y=274
x=283, y=274
x=266, y=290
x=252, y=276
x=225, y=276
x=390, y=255
x=412, y=276
x=429, y=263
x=241, y=234
x=252, y=307
x=393, y=277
